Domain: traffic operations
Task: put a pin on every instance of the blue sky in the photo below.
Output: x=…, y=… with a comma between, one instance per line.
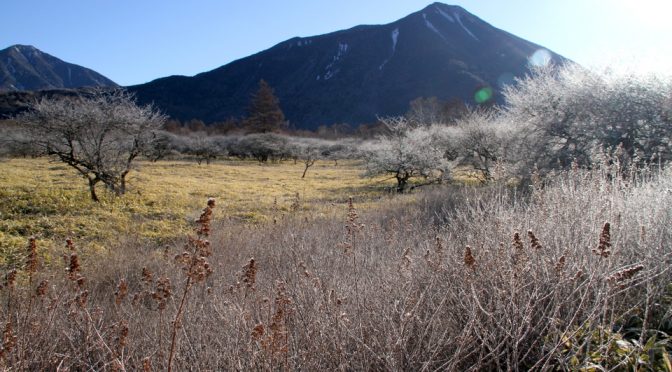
x=132, y=42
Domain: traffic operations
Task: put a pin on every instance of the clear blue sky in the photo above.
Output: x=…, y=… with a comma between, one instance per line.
x=132, y=42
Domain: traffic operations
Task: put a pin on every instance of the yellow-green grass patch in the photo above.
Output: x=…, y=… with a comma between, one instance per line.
x=51, y=201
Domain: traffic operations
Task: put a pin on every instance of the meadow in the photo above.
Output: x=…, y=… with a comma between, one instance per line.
x=47, y=200
x=572, y=273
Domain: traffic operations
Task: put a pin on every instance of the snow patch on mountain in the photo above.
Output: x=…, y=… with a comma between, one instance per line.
x=430, y=25
x=330, y=71
x=395, y=40
x=459, y=20
x=445, y=15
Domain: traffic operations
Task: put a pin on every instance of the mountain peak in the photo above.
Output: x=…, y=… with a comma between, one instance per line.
x=24, y=67
x=356, y=75
x=441, y=5
x=21, y=49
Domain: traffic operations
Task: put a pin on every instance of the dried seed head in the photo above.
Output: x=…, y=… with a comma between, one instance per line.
x=249, y=276
x=278, y=337
x=82, y=299
x=560, y=265
x=162, y=293
x=602, y=249
x=203, y=228
x=625, y=274
x=517, y=242
x=73, y=266
x=469, y=260
x=31, y=262
x=121, y=292
x=122, y=335
x=10, y=279
x=42, y=288
x=69, y=244
x=147, y=365
x=147, y=276
x=8, y=340
x=534, y=242
x=258, y=332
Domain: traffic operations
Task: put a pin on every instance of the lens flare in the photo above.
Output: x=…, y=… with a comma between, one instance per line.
x=540, y=58
x=483, y=95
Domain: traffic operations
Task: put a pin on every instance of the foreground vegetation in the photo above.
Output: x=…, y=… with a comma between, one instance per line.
x=573, y=275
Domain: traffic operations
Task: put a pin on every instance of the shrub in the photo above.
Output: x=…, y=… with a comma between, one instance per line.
x=569, y=114
x=407, y=152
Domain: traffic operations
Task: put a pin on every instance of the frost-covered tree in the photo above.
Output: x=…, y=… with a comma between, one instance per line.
x=99, y=134
x=564, y=114
x=480, y=140
x=202, y=147
x=551, y=111
x=407, y=152
x=261, y=146
x=162, y=144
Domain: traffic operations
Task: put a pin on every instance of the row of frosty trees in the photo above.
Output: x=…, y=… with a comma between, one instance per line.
x=555, y=117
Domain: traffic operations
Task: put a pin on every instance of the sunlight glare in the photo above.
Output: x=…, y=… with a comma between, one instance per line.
x=540, y=58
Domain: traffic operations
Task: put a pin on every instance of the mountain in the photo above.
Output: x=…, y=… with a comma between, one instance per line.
x=355, y=75
x=24, y=67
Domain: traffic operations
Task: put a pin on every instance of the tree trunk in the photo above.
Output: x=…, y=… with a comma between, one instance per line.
x=401, y=183
x=308, y=163
x=92, y=189
x=122, y=184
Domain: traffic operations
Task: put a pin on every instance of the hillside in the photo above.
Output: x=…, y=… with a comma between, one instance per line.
x=357, y=74
x=26, y=68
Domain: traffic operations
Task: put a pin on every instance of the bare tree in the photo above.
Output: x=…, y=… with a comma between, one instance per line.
x=480, y=141
x=308, y=150
x=564, y=114
x=203, y=147
x=99, y=134
x=163, y=144
x=408, y=152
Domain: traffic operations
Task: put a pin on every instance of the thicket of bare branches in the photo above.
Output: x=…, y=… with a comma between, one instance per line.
x=408, y=151
x=99, y=134
x=574, y=275
x=571, y=114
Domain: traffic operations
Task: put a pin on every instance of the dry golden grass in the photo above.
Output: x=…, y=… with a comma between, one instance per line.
x=432, y=286
x=48, y=200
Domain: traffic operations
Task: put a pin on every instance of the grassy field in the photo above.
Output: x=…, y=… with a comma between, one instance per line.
x=574, y=275
x=48, y=200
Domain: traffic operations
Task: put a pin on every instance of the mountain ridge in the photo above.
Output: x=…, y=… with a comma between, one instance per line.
x=26, y=68
x=357, y=74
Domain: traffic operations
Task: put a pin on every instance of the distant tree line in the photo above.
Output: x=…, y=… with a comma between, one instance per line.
x=554, y=118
